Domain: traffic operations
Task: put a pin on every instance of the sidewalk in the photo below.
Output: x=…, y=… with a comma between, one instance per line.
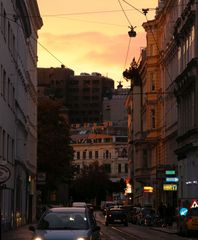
x=169, y=229
x=22, y=233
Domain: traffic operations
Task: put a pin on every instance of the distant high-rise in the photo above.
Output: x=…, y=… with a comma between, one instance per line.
x=52, y=82
x=84, y=97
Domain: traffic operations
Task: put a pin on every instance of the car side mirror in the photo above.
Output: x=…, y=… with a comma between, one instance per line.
x=32, y=228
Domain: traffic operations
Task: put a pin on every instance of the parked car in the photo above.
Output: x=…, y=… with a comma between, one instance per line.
x=116, y=215
x=128, y=210
x=107, y=206
x=146, y=216
x=189, y=222
x=66, y=223
x=90, y=206
x=135, y=211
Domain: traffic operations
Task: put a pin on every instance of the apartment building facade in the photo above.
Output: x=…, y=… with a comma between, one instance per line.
x=93, y=143
x=168, y=75
x=18, y=109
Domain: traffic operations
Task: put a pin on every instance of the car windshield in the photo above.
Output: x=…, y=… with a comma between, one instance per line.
x=63, y=220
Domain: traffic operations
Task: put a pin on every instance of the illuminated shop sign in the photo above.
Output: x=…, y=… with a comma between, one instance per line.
x=170, y=187
x=148, y=189
x=172, y=179
x=170, y=172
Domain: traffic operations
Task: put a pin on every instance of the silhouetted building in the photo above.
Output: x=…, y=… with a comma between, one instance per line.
x=52, y=82
x=84, y=97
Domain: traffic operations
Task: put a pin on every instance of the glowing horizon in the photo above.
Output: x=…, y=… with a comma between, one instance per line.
x=91, y=38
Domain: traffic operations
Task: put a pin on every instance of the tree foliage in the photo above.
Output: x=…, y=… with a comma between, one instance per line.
x=94, y=183
x=54, y=152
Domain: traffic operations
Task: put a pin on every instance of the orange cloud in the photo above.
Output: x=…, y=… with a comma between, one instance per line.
x=94, y=47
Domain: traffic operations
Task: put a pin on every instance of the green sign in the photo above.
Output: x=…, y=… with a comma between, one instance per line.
x=170, y=172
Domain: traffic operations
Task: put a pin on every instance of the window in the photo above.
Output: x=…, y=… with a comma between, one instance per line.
x=126, y=168
x=4, y=24
x=151, y=49
x=78, y=155
x=90, y=154
x=8, y=91
x=96, y=154
x=152, y=118
x=145, y=158
x=4, y=84
x=106, y=154
x=119, y=168
x=152, y=81
x=84, y=155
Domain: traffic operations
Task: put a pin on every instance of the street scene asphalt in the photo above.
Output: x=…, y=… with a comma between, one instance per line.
x=23, y=233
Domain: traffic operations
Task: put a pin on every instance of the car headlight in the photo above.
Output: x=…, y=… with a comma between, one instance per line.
x=37, y=238
x=83, y=238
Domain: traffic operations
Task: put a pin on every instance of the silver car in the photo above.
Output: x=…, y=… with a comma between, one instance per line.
x=67, y=223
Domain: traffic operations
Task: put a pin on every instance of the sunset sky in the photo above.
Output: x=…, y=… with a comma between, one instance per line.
x=92, y=36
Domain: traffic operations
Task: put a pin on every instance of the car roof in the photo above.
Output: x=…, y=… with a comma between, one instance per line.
x=68, y=209
x=79, y=204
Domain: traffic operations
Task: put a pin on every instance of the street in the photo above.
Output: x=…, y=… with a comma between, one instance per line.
x=135, y=232
x=112, y=232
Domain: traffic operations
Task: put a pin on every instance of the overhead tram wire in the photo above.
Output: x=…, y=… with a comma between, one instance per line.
x=12, y=20
x=129, y=43
x=96, y=12
x=144, y=12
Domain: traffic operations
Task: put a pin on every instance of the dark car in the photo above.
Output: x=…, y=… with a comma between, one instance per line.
x=146, y=216
x=188, y=223
x=116, y=215
x=66, y=223
x=128, y=210
x=134, y=214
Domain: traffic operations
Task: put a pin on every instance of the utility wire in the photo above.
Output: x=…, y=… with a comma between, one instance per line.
x=133, y=7
x=12, y=20
x=127, y=53
x=124, y=13
x=172, y=105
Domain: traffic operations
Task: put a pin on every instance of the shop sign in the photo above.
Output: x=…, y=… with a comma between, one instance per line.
x=148, y=189
x=172, y=179
x=170, y=187
x=170, y=172
x=4, y=174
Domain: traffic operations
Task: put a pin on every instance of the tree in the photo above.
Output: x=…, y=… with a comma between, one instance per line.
x=54, y=152
x=91, y=184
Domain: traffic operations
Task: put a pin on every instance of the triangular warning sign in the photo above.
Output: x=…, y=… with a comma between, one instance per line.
x=194, y=204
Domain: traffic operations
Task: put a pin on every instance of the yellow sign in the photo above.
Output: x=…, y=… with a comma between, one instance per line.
x=170, y=187
x=148, y=189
